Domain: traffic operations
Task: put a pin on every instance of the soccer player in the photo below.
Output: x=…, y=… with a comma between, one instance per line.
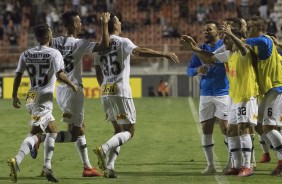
x=113, y=71
x=270, y=83
x=72, y=105
x=42, y=64
x=214, y=89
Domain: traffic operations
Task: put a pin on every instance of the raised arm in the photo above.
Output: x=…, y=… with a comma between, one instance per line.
x=145, y=52
x=105, y=41
x=240, y=45
x=17, y=82
x=99, y=74
x=204, y=56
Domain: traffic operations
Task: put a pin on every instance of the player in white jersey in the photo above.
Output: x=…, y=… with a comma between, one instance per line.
x=42, y=64
x=113, y=72
x=73, y=49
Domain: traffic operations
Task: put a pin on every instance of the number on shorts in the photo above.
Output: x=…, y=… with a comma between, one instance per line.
x=38, y=74
x=241, y=111
x=110, y=64
x=269, y=112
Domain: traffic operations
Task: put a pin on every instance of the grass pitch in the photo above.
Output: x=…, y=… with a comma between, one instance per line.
x=166, y=148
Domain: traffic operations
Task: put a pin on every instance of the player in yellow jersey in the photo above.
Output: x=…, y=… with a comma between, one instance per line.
x=270, y=83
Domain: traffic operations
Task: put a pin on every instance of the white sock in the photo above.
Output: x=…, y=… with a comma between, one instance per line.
x=263, y=145
x=235, y=150
x=117, y=140
x=25, y=148
x=208, y=144
x=83, y=151
x=113, y=154
x=246, y=147
x=49, y=145
x=276, y=139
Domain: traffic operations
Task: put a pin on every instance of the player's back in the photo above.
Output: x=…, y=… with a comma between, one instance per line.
x=115, y=64
x=41, y=63
x=73, y=50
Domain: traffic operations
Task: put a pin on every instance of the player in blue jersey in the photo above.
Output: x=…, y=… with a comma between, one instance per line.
x=214, y=89
x=269, y=71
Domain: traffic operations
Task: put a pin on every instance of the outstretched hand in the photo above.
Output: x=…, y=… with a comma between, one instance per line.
x=172, y=57
x=105, y=18
x=16, y=102
x=187, y=42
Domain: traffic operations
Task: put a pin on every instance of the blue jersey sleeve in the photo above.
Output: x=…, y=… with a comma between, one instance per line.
x=195, y=62
x=264, y=45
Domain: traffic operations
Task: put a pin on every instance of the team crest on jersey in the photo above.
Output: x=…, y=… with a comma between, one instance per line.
x=31, y=97
x=109, y=89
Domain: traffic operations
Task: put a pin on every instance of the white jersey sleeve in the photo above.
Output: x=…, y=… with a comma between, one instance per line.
x=220, y=49
x=222, y=56
x=21, y=64
x=128, y=45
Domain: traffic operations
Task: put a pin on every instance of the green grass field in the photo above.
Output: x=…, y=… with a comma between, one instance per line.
x=166, y=148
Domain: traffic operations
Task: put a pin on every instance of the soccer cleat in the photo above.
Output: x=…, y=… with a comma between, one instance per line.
x=34, y=151
x=232, y=171
x=245, y=172
x=49, y=175
x=265, y=158
x=109, y=173
x=209, y=170
x=91, y=172
x=101, y=157
x=42, y=174
x=278, y=169
x=13, y=169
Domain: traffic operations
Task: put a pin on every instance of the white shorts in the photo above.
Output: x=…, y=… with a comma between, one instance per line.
x=119, y=109
x=270, y=109
x=40, y=108
x=72, y=105
x=243, y=112
x=213, y=106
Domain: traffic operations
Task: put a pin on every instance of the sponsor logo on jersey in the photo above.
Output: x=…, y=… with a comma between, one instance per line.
x=255, y=117
x=67, y=115
x=109, y=89
x=31, y=97
x=121, y=116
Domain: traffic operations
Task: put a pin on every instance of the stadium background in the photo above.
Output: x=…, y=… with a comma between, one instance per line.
x=155, y=24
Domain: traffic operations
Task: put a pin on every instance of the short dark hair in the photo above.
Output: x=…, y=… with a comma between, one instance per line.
x=259, y=22
x=40, y=31
x=212, y=22
x=68, y=18
x=236, y=22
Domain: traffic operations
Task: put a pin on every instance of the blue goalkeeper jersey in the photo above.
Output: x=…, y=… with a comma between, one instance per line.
x=215, y=83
